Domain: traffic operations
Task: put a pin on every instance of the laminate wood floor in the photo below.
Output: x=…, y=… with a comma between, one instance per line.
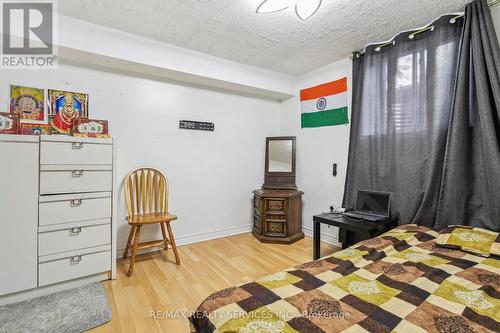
x=161, y=287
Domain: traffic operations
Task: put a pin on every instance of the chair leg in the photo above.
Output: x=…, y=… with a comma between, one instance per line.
x=165, y=239
x=134, y=249
x=172, y=242
x=127, y=247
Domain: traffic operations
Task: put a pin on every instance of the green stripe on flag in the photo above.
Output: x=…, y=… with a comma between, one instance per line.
x=325, y=118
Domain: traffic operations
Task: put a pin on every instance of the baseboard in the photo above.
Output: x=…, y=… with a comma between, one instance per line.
x=202, y=237
x=327, y=238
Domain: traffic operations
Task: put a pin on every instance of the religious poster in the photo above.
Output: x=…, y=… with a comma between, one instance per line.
x=324, y=105
x=65, y=107
x=28, y=103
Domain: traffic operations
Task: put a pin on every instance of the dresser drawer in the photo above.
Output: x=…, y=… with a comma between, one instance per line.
x=275, y=228
x=75, y=180
x=75, y=238
x=73, y=267
x=76, y=151
x=276, y=206
x=73, y=208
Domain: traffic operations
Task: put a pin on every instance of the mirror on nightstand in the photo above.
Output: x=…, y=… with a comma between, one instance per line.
x=280, y=163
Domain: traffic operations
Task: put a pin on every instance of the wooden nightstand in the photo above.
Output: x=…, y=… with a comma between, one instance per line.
x=278, y=216
x=350, y=231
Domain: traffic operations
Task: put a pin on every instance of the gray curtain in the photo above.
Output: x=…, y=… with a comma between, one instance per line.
x=470, y=189
x=426, y=123
x=402, y=98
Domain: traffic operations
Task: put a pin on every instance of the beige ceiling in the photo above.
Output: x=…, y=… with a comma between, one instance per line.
x=281, y=42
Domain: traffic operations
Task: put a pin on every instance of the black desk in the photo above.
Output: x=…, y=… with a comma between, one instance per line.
x=350, y=231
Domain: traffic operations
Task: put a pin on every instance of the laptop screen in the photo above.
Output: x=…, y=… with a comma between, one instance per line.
x=373, y=202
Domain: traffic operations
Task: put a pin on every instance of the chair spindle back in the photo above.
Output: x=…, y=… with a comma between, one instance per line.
x=146, y=191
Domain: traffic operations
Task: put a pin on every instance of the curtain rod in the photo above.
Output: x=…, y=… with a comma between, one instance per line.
x=421, y=30
x=490, y=3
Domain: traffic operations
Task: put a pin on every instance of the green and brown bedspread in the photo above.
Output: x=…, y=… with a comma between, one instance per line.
x=398, y=282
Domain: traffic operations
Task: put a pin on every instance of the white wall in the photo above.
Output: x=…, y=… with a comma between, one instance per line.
x=318, y=149
x=212, y=175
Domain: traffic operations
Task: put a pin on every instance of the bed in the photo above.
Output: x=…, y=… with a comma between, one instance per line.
x=398, y=282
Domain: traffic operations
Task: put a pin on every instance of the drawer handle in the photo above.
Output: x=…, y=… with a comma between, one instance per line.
x=77, y=173
x=75, y=231
x=76, y=259
x=76, y=202
x=77, y=145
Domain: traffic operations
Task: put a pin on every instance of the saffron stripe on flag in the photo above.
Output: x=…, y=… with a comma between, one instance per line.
x=327, y=89
x=325, y=118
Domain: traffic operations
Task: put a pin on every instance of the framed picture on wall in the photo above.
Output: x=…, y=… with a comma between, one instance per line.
x=9, y=123
x=65, y=107
x=28, y=103
x=90, y=128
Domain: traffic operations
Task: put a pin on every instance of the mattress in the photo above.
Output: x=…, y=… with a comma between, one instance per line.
x=398, y=282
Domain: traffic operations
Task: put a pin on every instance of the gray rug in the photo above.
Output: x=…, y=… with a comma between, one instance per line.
x=69, y=311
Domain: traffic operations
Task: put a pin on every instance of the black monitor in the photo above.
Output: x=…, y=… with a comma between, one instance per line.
x=378, y=203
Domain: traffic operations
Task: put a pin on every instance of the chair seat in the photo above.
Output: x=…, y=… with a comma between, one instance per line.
x=151, y=218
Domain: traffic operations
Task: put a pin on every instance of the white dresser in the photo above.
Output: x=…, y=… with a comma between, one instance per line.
x=66, y=233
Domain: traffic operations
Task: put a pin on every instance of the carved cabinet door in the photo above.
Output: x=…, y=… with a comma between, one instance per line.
x=276, y=210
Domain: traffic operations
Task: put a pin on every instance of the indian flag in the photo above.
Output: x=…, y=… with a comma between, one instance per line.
x=325, y=105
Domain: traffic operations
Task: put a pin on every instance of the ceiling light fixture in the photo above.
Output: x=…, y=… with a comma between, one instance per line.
x=303, y=8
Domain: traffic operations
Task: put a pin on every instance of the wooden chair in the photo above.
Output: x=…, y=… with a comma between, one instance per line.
x=146, y=196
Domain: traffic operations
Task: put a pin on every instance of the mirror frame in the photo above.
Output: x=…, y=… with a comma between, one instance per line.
x=280, y=180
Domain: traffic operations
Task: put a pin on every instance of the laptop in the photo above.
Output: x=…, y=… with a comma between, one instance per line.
x=372, y=206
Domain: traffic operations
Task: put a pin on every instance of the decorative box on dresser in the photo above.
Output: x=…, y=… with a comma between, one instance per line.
x=71, y=235
x=278, y=204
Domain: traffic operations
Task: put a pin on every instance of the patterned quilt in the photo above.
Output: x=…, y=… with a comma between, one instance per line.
x=399, y=282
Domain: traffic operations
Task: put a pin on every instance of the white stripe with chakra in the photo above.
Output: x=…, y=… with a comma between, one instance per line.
x=332, y=102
